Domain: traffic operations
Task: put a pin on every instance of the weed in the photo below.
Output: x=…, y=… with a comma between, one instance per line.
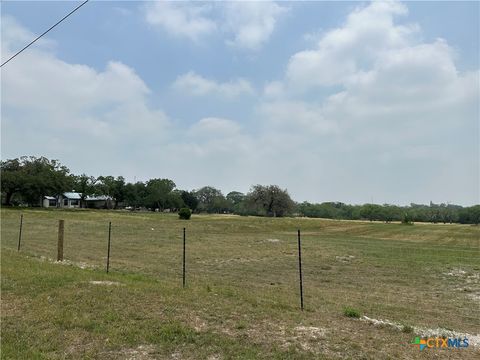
x=351, y=312
x=407, y=329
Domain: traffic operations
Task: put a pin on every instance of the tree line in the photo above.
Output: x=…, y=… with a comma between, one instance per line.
x=434, y=213
x=26, y=180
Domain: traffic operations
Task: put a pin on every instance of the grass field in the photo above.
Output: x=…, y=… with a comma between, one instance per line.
x=242, y=297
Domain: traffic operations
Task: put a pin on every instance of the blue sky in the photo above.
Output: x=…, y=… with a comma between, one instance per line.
x=336, y=101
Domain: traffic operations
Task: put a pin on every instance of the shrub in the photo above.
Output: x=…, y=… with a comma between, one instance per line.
x=184, y=214
x=351, y=312
x=407, y=219
x=407, y=329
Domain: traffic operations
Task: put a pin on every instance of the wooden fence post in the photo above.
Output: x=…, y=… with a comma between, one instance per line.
x=20, y=232
x=184, y=258
x=300, y=269
x=108, y=250
x=61, y=233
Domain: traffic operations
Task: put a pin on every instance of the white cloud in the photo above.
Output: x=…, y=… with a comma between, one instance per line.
x=383, y=70
x=297, y=117
x=17, y=36
x=344, y=51
x=384, y=96
x=196, y=85
x=413, y=82
x=252, y=23
x=183, y=19
x=100, y=122
x=72, y=111
x=214, y=127
x=274, y=89
x=400, y=122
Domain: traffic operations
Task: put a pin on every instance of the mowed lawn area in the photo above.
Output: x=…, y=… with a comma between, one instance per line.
x=242, y=294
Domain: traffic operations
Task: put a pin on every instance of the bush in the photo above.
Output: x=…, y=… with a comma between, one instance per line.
x=407, y=219
x=407, y=329
x=184, y=214
x=351, y=312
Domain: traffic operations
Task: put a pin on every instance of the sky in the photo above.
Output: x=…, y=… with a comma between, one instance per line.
x=355, y=102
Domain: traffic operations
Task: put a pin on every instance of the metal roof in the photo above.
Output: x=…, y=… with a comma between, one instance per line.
x=72, y=195
x=100, y=197
x=77, y=196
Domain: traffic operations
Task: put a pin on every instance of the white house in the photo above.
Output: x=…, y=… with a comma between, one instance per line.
x=69, y=200
x=73, y=200
x=66, y=200
x=49, y=201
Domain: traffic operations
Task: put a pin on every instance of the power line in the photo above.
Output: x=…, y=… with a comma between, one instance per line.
x=38, y=37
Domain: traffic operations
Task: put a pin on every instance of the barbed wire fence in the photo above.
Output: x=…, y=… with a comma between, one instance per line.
x=418, y=278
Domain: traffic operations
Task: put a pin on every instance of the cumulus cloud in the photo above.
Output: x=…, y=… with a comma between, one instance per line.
x=342, y=52
x=252, y=23
x=297, y=117
x=372, y=67
x=101, y=122
x=180, y=18
x=58, y=108
x=247, y=25
x=214, y=127
x=384, y=95
x=274, y=89
x=194, y=84
x=222, y=142
x=17, y=34
x=383, y=119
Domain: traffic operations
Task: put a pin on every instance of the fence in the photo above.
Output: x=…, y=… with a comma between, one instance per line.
x=408, y=274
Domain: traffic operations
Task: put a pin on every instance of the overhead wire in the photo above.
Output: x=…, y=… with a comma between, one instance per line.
x=44, y=33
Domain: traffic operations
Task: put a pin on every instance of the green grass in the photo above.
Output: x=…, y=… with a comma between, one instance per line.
x=241, y=299
x=351, y=312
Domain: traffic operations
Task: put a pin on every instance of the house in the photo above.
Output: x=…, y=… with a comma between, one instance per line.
x=98, y=202
x=69, y=200
x=49, y=201
x=66, y=200
x=74, y=200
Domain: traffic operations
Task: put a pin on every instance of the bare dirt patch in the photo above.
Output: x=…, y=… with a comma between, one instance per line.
x=142, y=352
x=79, y=264
x=106, y=283
x=236, y=260
x=378, y=322
x=345, y=258
x=214, y=357
x=12, y=306
x=466, y=282
x=310, y=332
x=307, y=337
x=198, y=324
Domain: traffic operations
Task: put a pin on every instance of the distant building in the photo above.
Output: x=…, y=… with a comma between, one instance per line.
x=70, y=200
x=49, y=201
x=98, y=202
x=73, y=200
